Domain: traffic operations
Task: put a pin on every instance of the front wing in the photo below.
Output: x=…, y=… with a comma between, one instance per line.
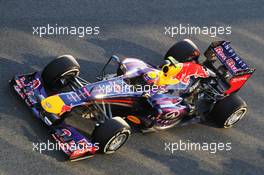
x=74, y=144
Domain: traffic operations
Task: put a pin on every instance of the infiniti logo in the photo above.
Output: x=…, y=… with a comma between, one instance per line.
x=48, y=105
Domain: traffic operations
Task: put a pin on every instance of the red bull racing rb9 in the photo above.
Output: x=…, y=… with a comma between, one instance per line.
x=138, y=96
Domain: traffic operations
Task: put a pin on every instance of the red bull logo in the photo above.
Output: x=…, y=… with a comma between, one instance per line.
x=220, y=52
x=190, y=69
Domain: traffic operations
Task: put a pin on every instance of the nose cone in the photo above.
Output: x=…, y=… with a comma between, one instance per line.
x=53, y=104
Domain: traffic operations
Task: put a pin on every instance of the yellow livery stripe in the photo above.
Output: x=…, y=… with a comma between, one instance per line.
x=53, y=104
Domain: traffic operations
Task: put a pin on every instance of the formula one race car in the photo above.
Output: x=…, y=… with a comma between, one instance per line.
x=138, y=94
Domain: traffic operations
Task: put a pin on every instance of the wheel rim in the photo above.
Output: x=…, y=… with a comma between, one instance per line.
x=115, y=143
x=235, y=117
x=70, y=72
x=66, y=75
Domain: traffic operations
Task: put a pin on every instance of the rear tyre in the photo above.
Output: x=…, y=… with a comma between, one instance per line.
x=183, y=51
x=111, y=135
x=59, y=70
x=228, y=111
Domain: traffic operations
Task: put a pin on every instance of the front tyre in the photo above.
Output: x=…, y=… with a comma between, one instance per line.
x=111, y=135
x=228, y=111
x=60, y=70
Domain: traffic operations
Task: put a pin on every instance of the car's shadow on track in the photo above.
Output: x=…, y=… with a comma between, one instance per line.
x=194, y=167
x=177, y=164
x=17, y=156
x=261, y=152
x=244, y=167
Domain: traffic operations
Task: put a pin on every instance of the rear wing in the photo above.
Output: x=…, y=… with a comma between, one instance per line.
x=222, y=58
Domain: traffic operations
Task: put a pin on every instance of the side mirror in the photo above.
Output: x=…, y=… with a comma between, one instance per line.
x=116, y=58
x=113, y=57
x=171, y=60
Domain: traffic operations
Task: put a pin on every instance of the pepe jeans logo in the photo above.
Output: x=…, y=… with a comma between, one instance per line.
x=243, y=78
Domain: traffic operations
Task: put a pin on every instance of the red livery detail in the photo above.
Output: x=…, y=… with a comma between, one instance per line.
x=237, y=82
x=191, y=69
x=65, y=108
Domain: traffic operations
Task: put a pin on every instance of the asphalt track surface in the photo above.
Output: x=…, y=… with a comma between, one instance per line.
x=132, y=29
